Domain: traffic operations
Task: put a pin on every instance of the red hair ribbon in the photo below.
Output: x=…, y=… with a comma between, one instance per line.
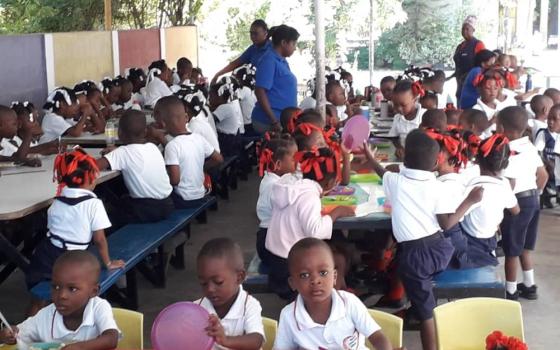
x=291, y=126
x=418, y=89
x=308, y=128
x=335, y=147
x=266, y=162
x=312, y=160
x=496, y=141
x=452, y=143
x=66, y=165
x=511, y=80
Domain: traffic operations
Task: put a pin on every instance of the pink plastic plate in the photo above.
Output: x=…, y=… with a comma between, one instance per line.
x=355, y=132
x=181, y=326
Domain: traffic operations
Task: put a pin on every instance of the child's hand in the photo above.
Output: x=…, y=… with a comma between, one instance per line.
x=368, y=152
x=342, y=212
x=115, y=264
x=32, y=162
x=399, y=153
x=216, y=330
x=8, y=336
x=475, y=195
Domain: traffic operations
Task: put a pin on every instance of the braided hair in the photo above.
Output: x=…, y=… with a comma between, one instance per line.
x=226, y=88
x=137, y=77
x=493, y=153
x=57, y=96
x=155, y=69
x=274, y=148
x=452, y=143
x=318, y=164
x=245, y=74
x=24, y=109
x=74, y=169
x=193, y=99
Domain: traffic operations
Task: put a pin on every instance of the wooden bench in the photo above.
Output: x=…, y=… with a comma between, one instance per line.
x=133, y=243
x=227, y=177
x=248, y=156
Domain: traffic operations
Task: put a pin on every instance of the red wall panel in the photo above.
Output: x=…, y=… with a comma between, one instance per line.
x=138, y=48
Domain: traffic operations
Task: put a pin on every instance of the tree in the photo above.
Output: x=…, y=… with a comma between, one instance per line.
x=238, y=28
x=136, y=14
x=180, y=12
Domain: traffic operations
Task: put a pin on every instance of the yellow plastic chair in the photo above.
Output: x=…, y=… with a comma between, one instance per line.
x=270, y=327
x=8, y=347
x=391, y=325
x=131, y=324
x=464, y=324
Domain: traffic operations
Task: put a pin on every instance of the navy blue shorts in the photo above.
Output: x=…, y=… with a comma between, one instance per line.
x=519, y=232
x=480, y=251
x=41, y=263
x=180, y=203
x=141, y=210
x=278, y=276
x=417, y=262
x=261, y=240
x=459, y=241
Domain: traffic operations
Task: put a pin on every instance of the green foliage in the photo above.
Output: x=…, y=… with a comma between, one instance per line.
x=237, y=33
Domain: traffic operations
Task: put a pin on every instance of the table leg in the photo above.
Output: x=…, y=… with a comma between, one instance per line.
x=15, y=258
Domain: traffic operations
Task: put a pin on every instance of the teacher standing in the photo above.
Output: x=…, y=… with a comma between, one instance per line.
x=276, y=85
x=466, y=52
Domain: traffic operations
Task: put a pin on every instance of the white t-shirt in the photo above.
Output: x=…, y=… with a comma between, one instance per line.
x=557, y=161
x=53, y=126
x=244, y=316
x=469, y=172
x=264, y=205
x=199, y=125
x=348, y=326
x=48, y=324
x=535, y=126
x=247, y=101
x=401, y=126
x=138, y=97
x=483, y=218
x=189, y=153
x=76, y=223
x=229, y=118
x=8, y=147
x=490, y=113
x=143, y=170
x=130, y=104
x=308, y=102
x=155, y=90
x=416, y=198
x=523, y=166
x=510, y=100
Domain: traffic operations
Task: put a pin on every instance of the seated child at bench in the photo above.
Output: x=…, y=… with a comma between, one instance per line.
x=125, y=100
x=138, y=79
x=227, y=113
x=77, y=316
x=75, y=219
x=159, y=79
x=28, y=118
x=322, y=317
x=474, y=120
x=10, y=150
x=62, y=107
x=143, y=170
x=235, y=316
x=296, y=212
x=111, y=90
x=187, y=155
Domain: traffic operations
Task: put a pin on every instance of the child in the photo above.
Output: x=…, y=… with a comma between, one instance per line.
x=422, y=249
x=288, y=118
x=554, y=94
x=184, y=71
x=126, y=100
x=335, y=95
x=540, y=106
x=10, y=150
x=28, y=119
x=528, y=175
x=309, y=136
x=482, y=220
x=138, y=79
x=77, y=316
x=488, y=84
x=387, y=85
x=187, y=155
x=309, y=101
x=434, y=119
x=235, y=320
x=429, y=100
x=475, y=121
x=332, y=119
x=322, y=317
x=157, y=84
x=246, y=77
x=143, y=169
x=93, y=104
x=545, y=142
x=197, y=116
x=111, y=92
x=227, y=111
x=61, y=107
x=296, y=212
x=435, y=83
x=276, y=160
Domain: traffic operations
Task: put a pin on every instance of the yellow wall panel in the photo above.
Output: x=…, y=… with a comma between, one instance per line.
x=181, y=42
x=82, y=55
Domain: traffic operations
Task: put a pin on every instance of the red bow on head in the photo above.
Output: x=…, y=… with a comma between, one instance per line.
x=63, y=170
x=291, y=126
x=308, y=128
x=453, y=145
x=417, y=89
x=335, y=147
x=312, y=160
x=496, y=141
x=266, y=162
x=511, y=80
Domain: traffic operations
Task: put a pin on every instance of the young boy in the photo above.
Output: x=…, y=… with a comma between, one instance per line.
x=143, y=170
x=321, y=317
x=422, y=208
x=540, y=105
x=77, y=316
x=387, y=85
x=554, y=94
x=474, y=120
x=235, y=317
x=434, y=119
x=9, y=149
x=545, y=142
x=184, y=71
x=527, y=176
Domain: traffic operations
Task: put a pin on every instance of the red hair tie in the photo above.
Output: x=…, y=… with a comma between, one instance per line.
x=291, y=126
x=312, y=160
x=497, y=141
x=266, y=161
x=308, y=128
x=64, y=168
x=417, y=89
x=453, y=145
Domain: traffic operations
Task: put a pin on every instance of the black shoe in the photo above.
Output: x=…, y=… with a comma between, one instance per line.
x=513, y=296
x=527, y=292
x=385, y=302
x=546, y=202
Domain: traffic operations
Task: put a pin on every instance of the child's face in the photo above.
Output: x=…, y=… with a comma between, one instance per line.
x=219, y=280
x=288, y=163
x=489, y=63
x=72, y=287
x=126, y=92
x=337, y=96
x=69, y=111
x=553, y=120
x=387, y=90
x=429, y=103
x=505, y=61
x=453, y=118
x=114, y=94
x=489, y=91
x=404, y=103
x=8, y=124
x=166, y=76
x=313, y=275
x=95, y=99
x=185, y=72
x=25, y=121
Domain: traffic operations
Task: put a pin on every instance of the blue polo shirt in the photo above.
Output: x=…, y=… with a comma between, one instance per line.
x=254, y=53
x=469, y=93
x=274, y=75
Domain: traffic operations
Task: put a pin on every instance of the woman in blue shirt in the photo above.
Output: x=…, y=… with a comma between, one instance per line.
x=276, y=85
x=469, y=93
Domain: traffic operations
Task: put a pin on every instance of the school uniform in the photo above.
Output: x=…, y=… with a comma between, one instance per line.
x=198, y=125
x=510, y=100
x=189, y=152
x=138, y=97
x=545, y=141
x=229, y=120
x=48, y=324
x=146, y=179
x=247, y=102
x=243, y=317
x=264, y=211
x=537, y=125
x=402, y=126
x=308, y=102
x=519, y=232
x=130, y=104
x=8, y=147
x=155, y=90
x=54, y=126
x=72, y=219
x=422, y=249
x=482, y=220
x=347, y=327
x=490, y=113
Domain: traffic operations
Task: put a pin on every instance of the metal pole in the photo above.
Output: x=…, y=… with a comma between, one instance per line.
x=543, y=25
x=320, y=57
x=371, y=42
x=108, y=15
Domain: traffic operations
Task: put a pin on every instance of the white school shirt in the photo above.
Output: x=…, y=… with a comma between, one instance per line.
x=243, y=317
x=401, y=126
x=189, y=153
x=556, y=160
x=199, y=125
x=138, y=97
x=483, y=218
x=48, y=324
x=7, y=147
x=490, y=112
x=53, y=126
x=143, y=170
x=208, y=117
x=247, y=101
x=76, y=223
x=341, y=112
x=229, y=118
x=155, y=90
x=264, y=204
x=523, y=166
x=416, y=198
x=308, y=102
x=535, y=126
x=510, y=100
x=130, y=104
x=469, y=172
x=454, y=183
x=348, y=326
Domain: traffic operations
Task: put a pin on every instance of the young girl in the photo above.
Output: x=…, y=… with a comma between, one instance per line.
x=288, y=119
x=111, y=92
x=296, y=212
x=138, y=79
x=309, y=101
x=28, y=119
x=246, y=77
x=75, y=219
x=335, y=95
x=125, y=99
x=61, y=109
x=488, y=84
x=197, y=116
x=276, y=160
x=157, y=84
x=227, y=112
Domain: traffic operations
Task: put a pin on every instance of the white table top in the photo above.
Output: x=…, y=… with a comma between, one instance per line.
x=23, y=194
x=87, y=138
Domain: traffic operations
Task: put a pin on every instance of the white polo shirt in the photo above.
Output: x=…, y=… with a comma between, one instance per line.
x=247, y=101
x=138, y=97
x=200, y=126
x=76, y=223
x=523, y=165
x=8, y=147
x=483, y=218
x=155, y=90
x=535, y=126
x=143, y=170
x=308, y=102
x=244, y=316
x=348, y=326
x=189, y=152
x=416, y=198
x=402, y=126
x=48, y=325
x=557, y=161
x=469, y=172
x=229, y=117
x=264, y=205
x=53, y=126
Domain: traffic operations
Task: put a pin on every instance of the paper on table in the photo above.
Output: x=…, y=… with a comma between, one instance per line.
x=372, y=204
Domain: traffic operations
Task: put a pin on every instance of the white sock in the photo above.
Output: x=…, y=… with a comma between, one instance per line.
x=529, y=278
x=511, y=287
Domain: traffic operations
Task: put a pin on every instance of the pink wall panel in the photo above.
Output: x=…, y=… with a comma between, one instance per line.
x=138, y=48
